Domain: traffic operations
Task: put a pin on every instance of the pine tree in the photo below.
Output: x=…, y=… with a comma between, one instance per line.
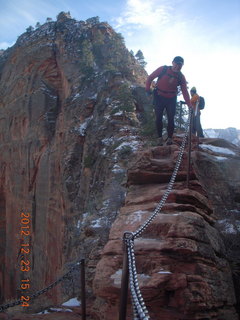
x=87, y=62
x=29, y=29
x=140, y=58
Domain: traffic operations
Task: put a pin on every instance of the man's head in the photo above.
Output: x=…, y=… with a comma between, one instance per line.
x=178, y=60
x=193, y=91
x=177, y=63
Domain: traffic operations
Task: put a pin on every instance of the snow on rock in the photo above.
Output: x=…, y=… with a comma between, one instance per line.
x=117, y=169
x=131, y=144
x=72, y=303
x=77, y=95
x=83, y=127
x=164, y=272
x=215, y=149
x=229, y=226
x=218, y=158
x=117, y=276
x=135, y=217
x=60, y=310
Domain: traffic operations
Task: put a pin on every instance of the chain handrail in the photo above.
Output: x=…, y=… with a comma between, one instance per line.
x=40, y=292
x=139, y=309
x=170, y=185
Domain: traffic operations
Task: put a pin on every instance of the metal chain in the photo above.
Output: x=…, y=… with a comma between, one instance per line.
x=170, y=184
x=40, y=292
x=139, y=308
x=140, y=311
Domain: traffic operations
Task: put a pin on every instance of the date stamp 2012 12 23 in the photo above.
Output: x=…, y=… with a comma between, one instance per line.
x=25, y=265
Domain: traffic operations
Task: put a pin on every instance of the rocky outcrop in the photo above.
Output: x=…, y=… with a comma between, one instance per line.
x=181, y=259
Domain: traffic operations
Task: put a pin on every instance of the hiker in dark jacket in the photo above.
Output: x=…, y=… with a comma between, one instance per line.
x=165, y=94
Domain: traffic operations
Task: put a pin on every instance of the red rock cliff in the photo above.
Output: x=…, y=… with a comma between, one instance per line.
x=64, y=133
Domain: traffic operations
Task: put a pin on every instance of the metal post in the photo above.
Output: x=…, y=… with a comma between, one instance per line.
x=189, y=147
x=83, y=290
x=124, y=282
x=180, y=120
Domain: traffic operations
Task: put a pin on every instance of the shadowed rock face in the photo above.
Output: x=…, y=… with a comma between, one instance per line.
x=181, y=258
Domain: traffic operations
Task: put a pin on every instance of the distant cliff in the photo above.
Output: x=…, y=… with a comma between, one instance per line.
x=230, y=134
x=76, y=172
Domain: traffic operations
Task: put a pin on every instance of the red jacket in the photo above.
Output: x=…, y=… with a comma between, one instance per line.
x=168, y=83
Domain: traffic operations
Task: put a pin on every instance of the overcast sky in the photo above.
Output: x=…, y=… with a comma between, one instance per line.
x=206, y=33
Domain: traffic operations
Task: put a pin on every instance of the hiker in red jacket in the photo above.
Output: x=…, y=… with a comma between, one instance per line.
x=165, y=94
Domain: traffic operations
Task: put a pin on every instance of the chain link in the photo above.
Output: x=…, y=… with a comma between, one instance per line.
x=42, y=291
x=140, y=311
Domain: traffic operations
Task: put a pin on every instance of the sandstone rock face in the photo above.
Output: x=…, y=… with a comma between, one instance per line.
x=181, y=260
x=65, y=136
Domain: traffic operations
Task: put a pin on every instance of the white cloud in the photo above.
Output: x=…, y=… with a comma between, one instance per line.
x=163, y=29
x=140, y=13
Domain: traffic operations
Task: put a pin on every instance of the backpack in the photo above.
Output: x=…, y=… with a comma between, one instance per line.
x=201, y=103
x=164, y=70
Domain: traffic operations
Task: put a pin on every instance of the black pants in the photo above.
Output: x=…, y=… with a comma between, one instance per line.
x=161, y=103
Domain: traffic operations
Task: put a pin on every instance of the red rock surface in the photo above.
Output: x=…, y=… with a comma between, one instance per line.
x=62, y=133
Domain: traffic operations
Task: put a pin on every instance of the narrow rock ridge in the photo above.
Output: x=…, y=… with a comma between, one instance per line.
x=181, y=258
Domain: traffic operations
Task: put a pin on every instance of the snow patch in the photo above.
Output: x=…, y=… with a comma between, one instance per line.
x=83, y=127
x=135, y=217
x=78, y=224
x=164, y=272
x=119, y=113
x=72, y=303
x=98, y=223
x=143, y=276
x=103, y=152
x=117, y=276
x=77, y=95
x=42, y=312
x=132, y=144
x=229, y=227
x=108, y=141
x=60, y=310
x=218, y=158
x=117, y=169
x=217, y=149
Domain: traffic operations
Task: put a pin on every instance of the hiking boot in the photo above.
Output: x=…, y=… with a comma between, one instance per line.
x=160, y=141
x=169, y=141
